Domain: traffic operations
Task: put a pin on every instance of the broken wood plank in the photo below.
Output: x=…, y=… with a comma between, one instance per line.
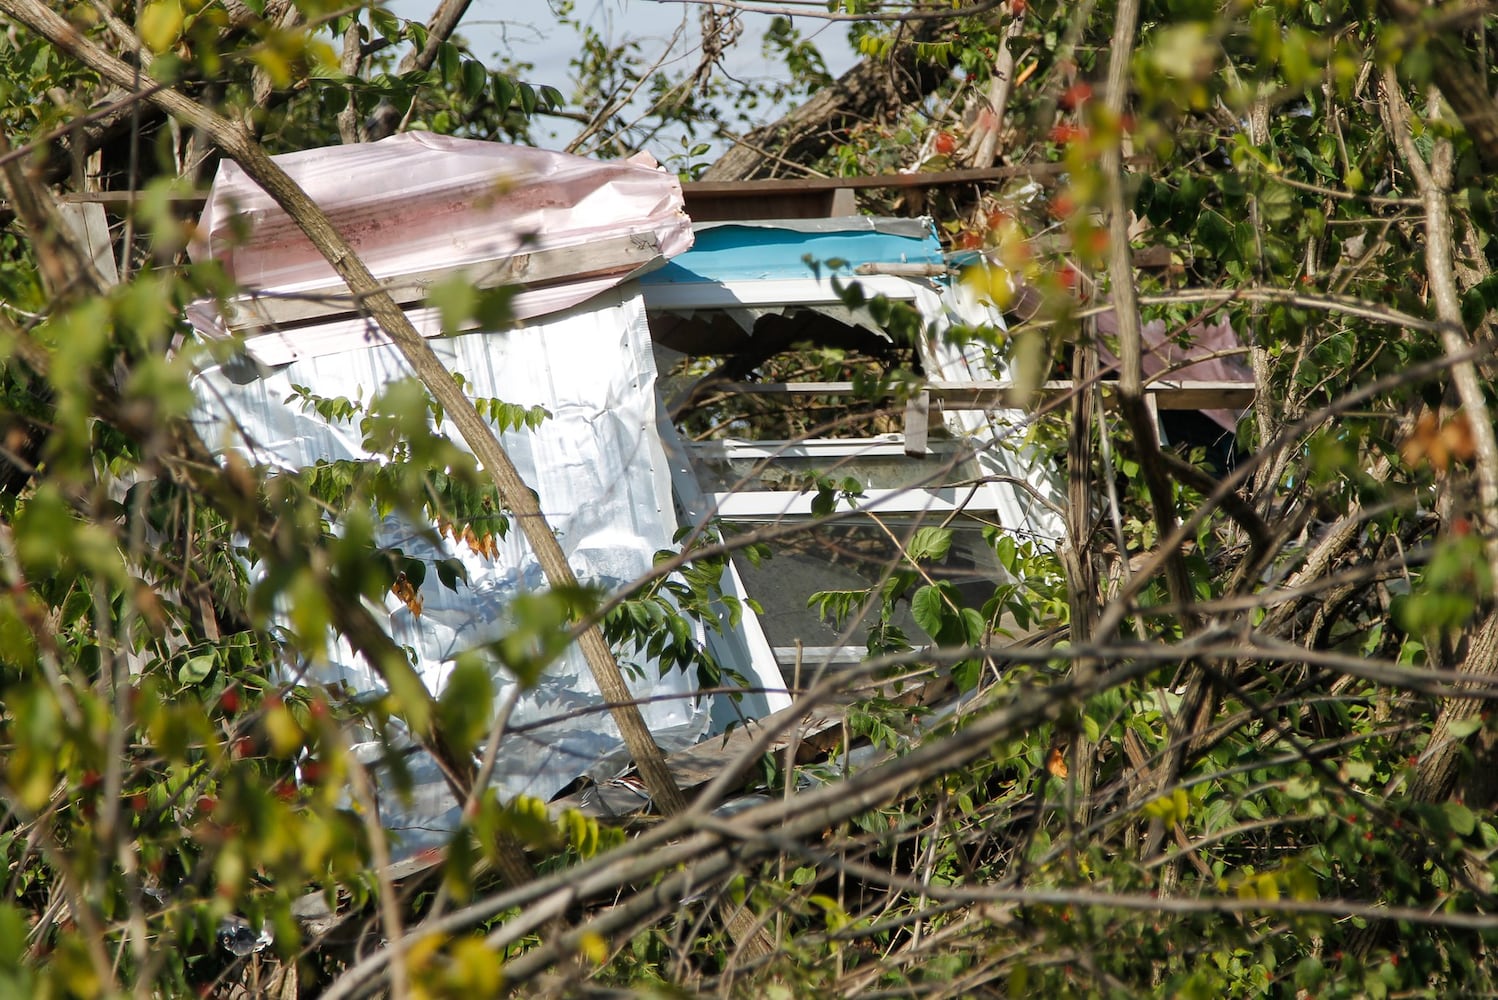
x=697, y=765
x=91, y=228
x=937, y=178
x=1169, y=394
x=917, y=423
x=620, y=254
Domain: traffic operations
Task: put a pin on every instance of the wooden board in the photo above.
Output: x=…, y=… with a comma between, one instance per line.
x=617, y=255
x=1168, y=394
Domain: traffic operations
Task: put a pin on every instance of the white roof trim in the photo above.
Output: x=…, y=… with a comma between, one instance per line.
x=781, y=293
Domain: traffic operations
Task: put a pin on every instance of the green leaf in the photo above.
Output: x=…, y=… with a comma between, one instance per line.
x=196, y=669
x=1299, y=788
x=13, y=937
x=386, y=23
x=475, y=78
x=455, y=299
x=449, y=62
x=967, y=674
x=824, y=502
x=1276, y=203
x=504, y=92
x=465, y=703
x=1462, y=820
x=1463, y=728
x=1005, y=551
x=930, y=543
x=926, y=608
x=450, y=571
x=161, y=24
x=1214, y=233
x=973, y=627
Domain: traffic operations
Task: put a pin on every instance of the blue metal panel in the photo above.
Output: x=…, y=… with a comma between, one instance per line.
x=771, y=251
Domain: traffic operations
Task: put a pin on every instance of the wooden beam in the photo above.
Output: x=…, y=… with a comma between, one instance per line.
x=816, y=733
x=91, y=229
x=725, y=189
x=868, y=182
x=1169, y=394
x=917, y=423
x=619, y=254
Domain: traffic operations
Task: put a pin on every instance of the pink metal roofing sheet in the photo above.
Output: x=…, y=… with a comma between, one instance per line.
x=418, y=201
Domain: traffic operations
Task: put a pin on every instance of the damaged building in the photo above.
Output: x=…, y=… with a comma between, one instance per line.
x=645, y=339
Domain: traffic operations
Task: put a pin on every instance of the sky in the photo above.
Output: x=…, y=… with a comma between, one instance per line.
x=527, y=31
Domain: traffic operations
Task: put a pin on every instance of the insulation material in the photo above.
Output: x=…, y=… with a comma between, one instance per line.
x=416, y=201
x=598, y=467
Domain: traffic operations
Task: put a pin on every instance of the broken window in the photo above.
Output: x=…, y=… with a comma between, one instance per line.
x=801, y=416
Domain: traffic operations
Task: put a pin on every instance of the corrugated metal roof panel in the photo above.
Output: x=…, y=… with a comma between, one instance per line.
x=787, y=250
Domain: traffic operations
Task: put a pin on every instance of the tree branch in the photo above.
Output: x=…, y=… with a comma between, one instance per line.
x=808, y=131
x=441, y=25
x=1438, y=765
x=235, y=141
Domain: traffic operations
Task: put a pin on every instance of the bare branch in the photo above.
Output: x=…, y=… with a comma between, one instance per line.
x=818, y=11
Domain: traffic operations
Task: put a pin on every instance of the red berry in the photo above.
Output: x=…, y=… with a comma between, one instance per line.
x=1064, y=132
x=229, y=701
x=946, y=143
x=1076, y=95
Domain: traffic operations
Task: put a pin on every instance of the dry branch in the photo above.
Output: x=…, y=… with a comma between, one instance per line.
x=1438, y=765
x=234, y=140
x=864, y=93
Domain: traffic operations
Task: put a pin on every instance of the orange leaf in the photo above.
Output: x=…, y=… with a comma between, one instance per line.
x=1055, y=762
x=1458, y=438
x=1425, y=444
